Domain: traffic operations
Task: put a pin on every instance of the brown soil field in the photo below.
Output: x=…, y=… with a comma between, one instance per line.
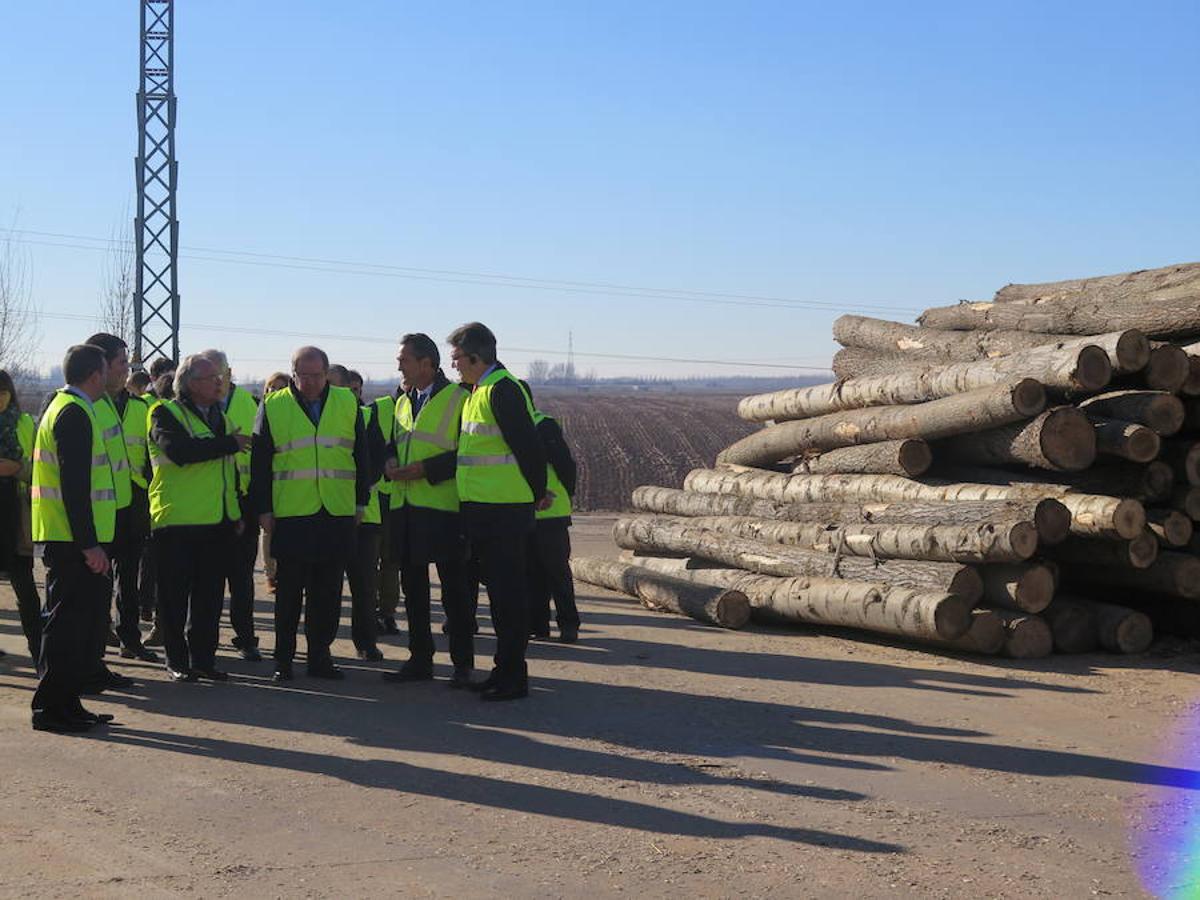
x=621, y=441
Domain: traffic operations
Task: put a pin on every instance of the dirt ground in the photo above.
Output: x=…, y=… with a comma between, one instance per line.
x=657, y=757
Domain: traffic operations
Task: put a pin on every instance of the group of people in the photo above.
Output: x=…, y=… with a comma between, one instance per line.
x=161, y=483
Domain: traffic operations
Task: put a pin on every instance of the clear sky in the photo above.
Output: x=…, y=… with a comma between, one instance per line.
x=867, y=157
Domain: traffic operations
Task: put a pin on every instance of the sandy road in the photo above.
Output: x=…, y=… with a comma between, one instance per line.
x=657, y=757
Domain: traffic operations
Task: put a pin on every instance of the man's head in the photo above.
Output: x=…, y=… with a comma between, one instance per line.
x=338, y=375
x=117, y=355
x=472, y=351
x=221, y=362
x=354, y=381
x=418, y=361
x=160, y=367
x=86, y=368
x=139, y=383
x=310, y=371
x=198, y=379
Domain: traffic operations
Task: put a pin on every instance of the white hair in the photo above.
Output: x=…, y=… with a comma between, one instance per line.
x=187, y=370
x=216, y=357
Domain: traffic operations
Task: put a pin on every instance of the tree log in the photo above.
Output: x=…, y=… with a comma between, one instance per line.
x=1049, y=516
x=1183, y=456
x=909, y=457
x=1026, y=587
x=868, y=606
x=984, y=408
x=1186, y=499
x=984, y=636
x=1025, y=636
x=1138, y=553
x=1128, y=351
x=1125, y=440
x=1167, y=370
x=1151, y=482
x=1173, y=573
x=1091, y=515
x=1191, y=385
x=1171, y=527
x=1060, y=439
x=1191, y=416
x=1168, y=615
x=1121, y=629
x=717, y=606
x=1145, y=285
x=1166, y=319
x=645, y=533
x=855, y=362
x=1072, y=624
x=1162, y=412
x=978, y=543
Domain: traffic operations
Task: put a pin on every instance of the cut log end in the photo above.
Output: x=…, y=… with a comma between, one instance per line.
x=1068, y=439
x=1023, y=538
x=1133, y=351
x=952, y=618
x=1133, y=634
x=1171, y=527
x=915, y=457
x=1129, y=518
x=1035, y=589
x=1143, y=444
x=1168, y=368
x=1053, y=521
x=1029, y=397
x=732, y=610
x=968, y=584
x=1027, y=637
x=1093, y=370
x=1143, y=550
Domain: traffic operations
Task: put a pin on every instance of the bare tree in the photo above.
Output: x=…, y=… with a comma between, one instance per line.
x=18, y=316
x=116, y=298
x=538, y=370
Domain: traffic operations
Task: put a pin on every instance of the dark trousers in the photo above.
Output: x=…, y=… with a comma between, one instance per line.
x=76, y=608
x=148, y=580
x=29, y=604
x=133, y=526
x=389, y=572
x=240, y=576
x=316, y=588
x=190, y=578
x=501, y=554
x=550, y=577
x=363, y=575
x=460, y=626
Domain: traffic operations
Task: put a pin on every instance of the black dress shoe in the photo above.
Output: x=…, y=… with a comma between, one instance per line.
x=87, y=715
x=145, y=654
x=461, y=679
x=328, y=671
x=117, y=681
x=409, y=672
x=211, y=674
x=373, y=654
x=387, y=625
x=60, y=723
x=503, y=690
x=484, y=684
x=250, y=654
x=568, y=635
x=539, y=635
x=180, y=675
x=283, y=672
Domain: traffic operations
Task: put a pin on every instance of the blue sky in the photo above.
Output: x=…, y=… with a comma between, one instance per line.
x=865, y=157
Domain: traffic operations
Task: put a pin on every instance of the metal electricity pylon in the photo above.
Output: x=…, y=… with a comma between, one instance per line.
x=156, y=228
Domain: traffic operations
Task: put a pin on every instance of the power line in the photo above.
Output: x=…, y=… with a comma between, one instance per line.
x=451, y=276
x=366, y=339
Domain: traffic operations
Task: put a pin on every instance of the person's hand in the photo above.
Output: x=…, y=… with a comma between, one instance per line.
x=266, y=521
x=390, y=468
x=243, y=441
x=9, y=467
x=96, y=560
x=411, y=472
x=359, y=512
x=546, y=502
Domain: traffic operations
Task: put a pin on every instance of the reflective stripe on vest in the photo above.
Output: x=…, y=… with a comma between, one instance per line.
x=133, y=424
x=487, y=470
x=242, y=411
x=313, y=465
x=434, y=432
x=201, y=493
x=560, y=508
x=113, y=437
x=49, y=519
x=385, y=409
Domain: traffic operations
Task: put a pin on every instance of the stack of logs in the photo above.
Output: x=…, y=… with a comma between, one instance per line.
x=1010, y=477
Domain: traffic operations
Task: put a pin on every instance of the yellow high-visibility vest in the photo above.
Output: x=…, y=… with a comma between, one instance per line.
x=49, y=519
x=434, y=431
x=201, y=493
x=487, y=469
x=313, y=468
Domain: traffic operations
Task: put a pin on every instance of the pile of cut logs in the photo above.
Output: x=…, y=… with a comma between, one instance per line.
x=1012, y=477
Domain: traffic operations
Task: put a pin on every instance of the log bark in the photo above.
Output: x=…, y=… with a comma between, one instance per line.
x=1060, y=439
x=1167, y=369
x=1125, y=440
x=984, y=636
x=1128, y=351
x=977, y=543
x=1183, y=456
x=1170, y=527
x=1049, y=516
x=909, y=457
x=1168, y=318
x=1162, y=412
x=984, y=408
x=1173, y=573
x=1138, y=553
x=1025, y=636
x=864, y=605
x=1168, y=615
x=1151, y=482
x=1191, y=385
x=1091, y=514
x=725, y=607
x=1025, y=587
x=1072, y=624
x=645, y=533
x=1186, y=499
x=855, y=362
x=1078, y=368
x=1142, y=285
x=1121, y=629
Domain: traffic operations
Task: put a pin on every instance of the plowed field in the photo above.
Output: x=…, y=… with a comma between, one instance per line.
x=623, y=440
